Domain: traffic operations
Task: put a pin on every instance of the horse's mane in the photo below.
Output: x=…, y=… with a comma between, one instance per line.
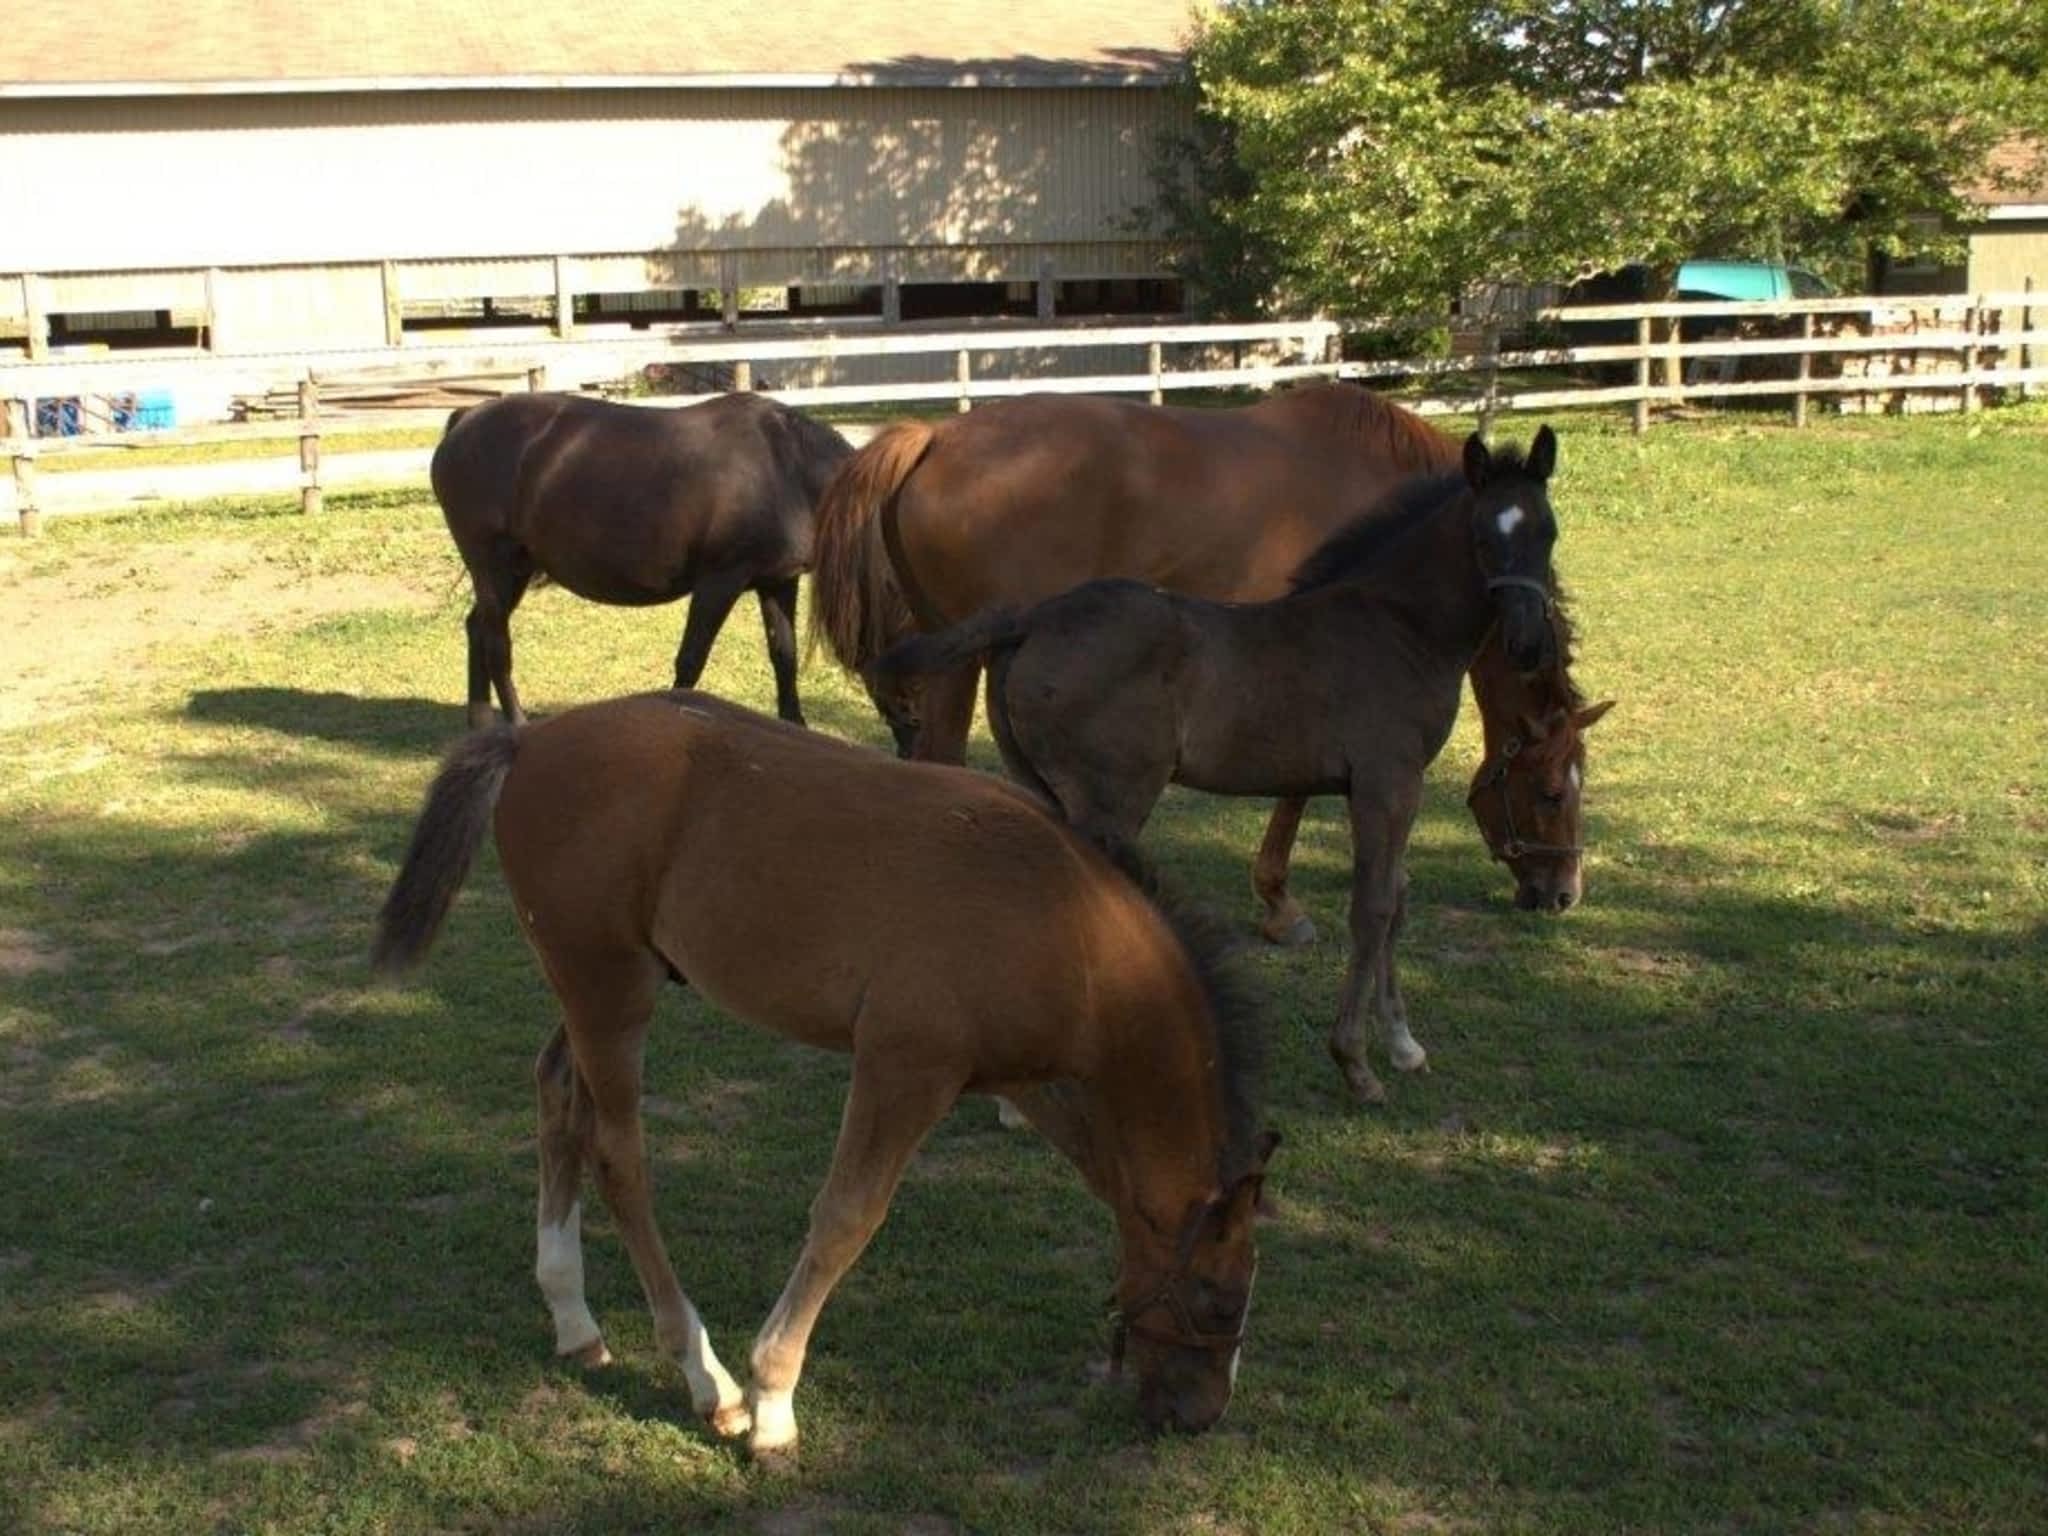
x=1401, y=439
x=807, y=450
x=1209, y=945
x=1358, y=545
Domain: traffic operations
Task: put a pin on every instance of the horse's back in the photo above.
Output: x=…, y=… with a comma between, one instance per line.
x=1025, y=498
x=630, y=504
x=798, y=881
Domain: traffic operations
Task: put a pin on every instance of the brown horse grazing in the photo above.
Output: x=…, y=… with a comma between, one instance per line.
x=937, y=924
x=1018, y=501
x=1350, y=685
x=633, y=505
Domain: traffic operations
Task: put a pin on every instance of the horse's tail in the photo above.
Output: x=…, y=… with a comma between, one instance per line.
x=998, y=630
x=444, y=843
x=809, y=452
x=857, y=603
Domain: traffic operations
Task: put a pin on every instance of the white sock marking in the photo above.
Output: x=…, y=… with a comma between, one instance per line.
x=558, y=1266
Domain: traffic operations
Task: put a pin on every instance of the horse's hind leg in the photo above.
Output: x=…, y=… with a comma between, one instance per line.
x=710, y=601
x=891, y=1105
x=778, y=616
x=500, y=579
x=1284, y=922
x=566, y=1121
x=948, y=715
x=609, y=999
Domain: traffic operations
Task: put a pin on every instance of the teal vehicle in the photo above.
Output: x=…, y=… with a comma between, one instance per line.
x=1748, y=282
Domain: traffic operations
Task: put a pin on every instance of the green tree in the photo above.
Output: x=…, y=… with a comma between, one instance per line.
x=1380, y=156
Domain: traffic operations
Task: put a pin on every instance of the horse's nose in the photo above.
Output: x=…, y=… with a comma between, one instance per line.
x=1563, y=901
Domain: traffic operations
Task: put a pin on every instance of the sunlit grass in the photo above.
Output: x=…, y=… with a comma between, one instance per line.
x=1722, y=1208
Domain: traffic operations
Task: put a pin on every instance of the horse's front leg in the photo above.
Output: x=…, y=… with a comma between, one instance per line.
x=1284, y=922
x=1379, y=839
x=890, y=1107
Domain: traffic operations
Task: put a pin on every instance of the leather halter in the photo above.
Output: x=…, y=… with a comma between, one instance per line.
x=1515, y=846
x=1183, y=1334
x=1540, y=588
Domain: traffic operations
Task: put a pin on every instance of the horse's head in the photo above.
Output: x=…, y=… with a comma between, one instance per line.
x=1182, y=1310
x=1514, y=532
x=1526, y=799
x=898, y=698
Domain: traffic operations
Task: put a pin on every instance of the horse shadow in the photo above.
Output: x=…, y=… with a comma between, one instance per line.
x=397, y=727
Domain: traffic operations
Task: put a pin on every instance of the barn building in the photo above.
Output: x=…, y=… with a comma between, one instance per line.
x=264, y=177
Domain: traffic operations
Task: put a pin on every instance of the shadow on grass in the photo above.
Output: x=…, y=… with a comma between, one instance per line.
x=1702, y=1178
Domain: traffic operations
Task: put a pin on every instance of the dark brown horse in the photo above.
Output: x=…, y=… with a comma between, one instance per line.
x=1020, y=500
x=936, y=923
x=633, y=505
x=1103, y=696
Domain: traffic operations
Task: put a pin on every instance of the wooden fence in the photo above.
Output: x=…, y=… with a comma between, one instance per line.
x=1879, y=350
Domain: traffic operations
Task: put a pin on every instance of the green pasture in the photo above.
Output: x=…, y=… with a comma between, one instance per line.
x=1724, y=1207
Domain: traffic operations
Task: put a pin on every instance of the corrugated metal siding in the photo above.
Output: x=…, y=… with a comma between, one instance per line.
x=73, y=292
x=265, y=307
x=452, y=175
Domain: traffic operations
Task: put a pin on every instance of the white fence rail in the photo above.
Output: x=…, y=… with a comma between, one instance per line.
x=1878, y=349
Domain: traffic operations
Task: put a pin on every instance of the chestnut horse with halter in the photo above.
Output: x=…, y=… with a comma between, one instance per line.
x=1101, y=697
x=938, y=924
x=932, y=523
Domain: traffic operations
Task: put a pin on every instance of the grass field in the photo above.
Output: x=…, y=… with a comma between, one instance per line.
x=1725, y=1206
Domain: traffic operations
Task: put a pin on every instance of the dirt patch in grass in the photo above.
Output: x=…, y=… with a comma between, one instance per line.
x=69, y=627
x=26, y=953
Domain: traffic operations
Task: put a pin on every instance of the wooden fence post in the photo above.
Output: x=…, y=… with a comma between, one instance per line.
x=1971, y=319
x=1489, y=372
x=18, y=421
x=1154, y=364
x=537, y=379
x=960, y=376
x=309, y=446
x=394, y=307
x=38, y=321
x=742, y=376
x=1642, y=413
x=2027, y=347
x=565, y=301
x=1805, y=372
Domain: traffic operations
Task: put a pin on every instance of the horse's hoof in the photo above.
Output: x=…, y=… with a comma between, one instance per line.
x=1292, y=935
x=1359, y=1078
x=730, y=1421
x=591, y=1357
x=1011, y=1117
x=1407, y=1056
x=775, y=1460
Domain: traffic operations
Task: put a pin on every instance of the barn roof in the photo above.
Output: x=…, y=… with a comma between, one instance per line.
x=124, y=47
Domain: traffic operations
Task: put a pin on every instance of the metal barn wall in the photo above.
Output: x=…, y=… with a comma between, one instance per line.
x=191, y=182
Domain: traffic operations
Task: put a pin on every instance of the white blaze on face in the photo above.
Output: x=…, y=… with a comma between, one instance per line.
x=1577, y=778
x=1507, y=522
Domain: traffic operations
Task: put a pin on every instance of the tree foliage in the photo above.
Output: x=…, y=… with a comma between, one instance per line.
x=1380, y=156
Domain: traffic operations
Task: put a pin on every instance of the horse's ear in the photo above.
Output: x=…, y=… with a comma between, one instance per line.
x=1477, y=461
x=1234, y=1217
x=1543, y=453
x=1586, y=717
x=1534, y=727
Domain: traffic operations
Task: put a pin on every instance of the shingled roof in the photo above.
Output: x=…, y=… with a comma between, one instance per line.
x=120, y=47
